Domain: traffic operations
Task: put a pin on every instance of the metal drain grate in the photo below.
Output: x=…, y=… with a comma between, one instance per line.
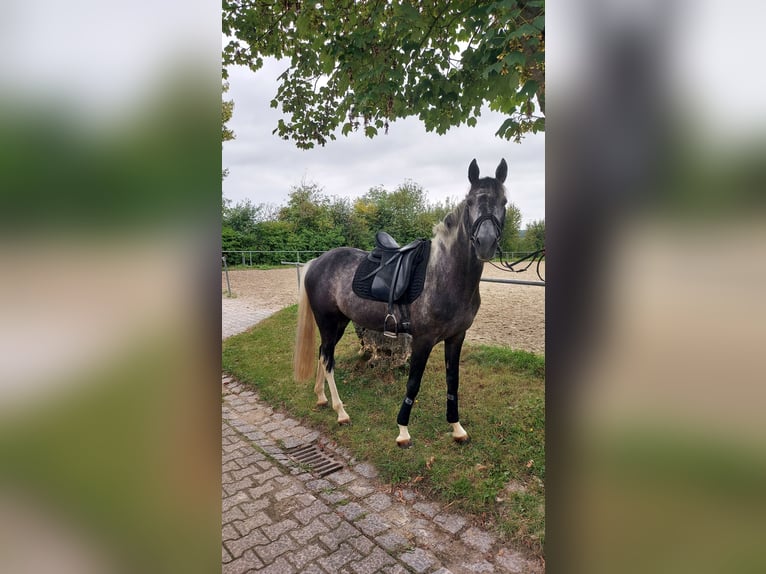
x=316, y=460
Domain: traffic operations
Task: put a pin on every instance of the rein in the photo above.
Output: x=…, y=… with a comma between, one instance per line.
x=535, y=256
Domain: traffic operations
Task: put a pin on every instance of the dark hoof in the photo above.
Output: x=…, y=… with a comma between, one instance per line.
x=344, y=422
x=322, y=405
x=462, y=440
x=404, y=444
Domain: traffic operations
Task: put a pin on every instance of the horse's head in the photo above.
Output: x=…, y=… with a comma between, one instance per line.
x=485, y=209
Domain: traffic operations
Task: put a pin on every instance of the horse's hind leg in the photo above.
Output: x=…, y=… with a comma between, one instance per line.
x=330, y=337
x=319, y=385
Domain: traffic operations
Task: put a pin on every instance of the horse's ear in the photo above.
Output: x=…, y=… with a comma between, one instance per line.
x=473, y=172
x=502, y=171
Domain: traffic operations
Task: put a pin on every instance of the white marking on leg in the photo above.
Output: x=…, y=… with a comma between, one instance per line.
x=337, y=405
x=458, y=432
x=319, y=385
x=404, y=436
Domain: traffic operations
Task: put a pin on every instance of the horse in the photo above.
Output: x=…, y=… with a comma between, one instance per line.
x=462, y=242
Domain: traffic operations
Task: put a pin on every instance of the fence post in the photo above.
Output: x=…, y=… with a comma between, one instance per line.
x=298, y=268
x=226, y=270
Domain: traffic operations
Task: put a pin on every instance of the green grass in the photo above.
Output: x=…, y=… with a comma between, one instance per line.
x=502, y=407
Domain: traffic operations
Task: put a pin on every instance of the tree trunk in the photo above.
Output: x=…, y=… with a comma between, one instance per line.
x=380, y=349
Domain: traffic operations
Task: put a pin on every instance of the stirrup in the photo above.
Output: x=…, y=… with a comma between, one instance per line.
x=386, y=332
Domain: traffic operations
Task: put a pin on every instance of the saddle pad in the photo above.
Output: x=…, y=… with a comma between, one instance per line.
x=362, y=288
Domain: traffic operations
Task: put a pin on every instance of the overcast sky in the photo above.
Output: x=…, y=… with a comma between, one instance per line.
x=263, y=167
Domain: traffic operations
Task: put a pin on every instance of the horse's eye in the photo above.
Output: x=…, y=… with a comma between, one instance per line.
x=471, y=201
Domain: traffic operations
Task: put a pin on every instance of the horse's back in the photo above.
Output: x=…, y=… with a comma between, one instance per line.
x=333, y=270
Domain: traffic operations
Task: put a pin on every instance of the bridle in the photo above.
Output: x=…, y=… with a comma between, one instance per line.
x=477, y=224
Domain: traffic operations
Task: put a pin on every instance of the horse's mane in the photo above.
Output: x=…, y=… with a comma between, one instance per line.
x=449, y=225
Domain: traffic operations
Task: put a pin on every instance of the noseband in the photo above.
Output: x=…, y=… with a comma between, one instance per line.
x=477, y=224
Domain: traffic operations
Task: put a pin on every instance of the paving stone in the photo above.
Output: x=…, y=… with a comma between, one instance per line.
x=338, y=535
x=292, y=490
x=250, y=508
x=292, y=442
x=238, y=546
x=263, y=477
x=514, y=562
x=260, y=491
x=378, y=502
x=248, y=561
x=247, y=471
x=307, y=499
x=351, y=511
x=280, y=566
x=478, y=539
x=419, y=560
x=276, y=530
x=235, y=487
x=452, y=523
x=319, y=485
x=360, y=489
x=253, y=458
x=252, y=522
x=427, y=508
x=306, y=554
x=268, y=552
x=301, y=431
x=342, y=556
x=397, y=515
x=481, y=567
x=373, y=563
x=270, y=427
x=231, y=515
x=280, y=435
x=408, y=495
x=362, y=543
x=392, y=541
x=334, y=496
x=228, y=532
x=332, y=520
x=311, y=530
x=342, y=476
x=308, y=514
x=233, y=500
x=366, y=470
x=372, y=525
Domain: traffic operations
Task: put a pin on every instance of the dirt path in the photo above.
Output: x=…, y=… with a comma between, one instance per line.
x=510, y=315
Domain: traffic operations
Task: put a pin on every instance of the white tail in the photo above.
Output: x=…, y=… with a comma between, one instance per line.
x=305, y=337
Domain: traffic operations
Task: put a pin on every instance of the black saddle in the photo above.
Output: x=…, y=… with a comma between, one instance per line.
x=392, y=274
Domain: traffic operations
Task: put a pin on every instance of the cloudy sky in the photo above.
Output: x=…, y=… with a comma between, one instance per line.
x=263, y=167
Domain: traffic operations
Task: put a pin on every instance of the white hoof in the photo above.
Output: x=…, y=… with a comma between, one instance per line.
x=459, y=434
x=403, y=440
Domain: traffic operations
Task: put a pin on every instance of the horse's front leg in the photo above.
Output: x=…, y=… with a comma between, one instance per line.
x=452, y=348
x=420, y=353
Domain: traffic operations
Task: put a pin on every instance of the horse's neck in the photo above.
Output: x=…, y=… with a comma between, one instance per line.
x=455, y=265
